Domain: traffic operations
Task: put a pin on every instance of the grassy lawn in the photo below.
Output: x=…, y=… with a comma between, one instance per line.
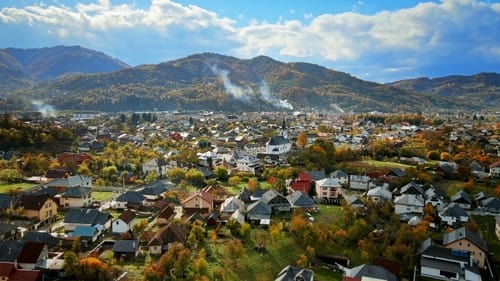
x=328, y=213
x=383, y=164
x=265, y=266
x=5, y=187
x=102, y=196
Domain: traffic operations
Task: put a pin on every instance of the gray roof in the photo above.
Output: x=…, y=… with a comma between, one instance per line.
x=491, y=203
x=338, y=174
x=259, y=207
x=453, y=210
x=299, y=199
x=154, y=190
x=6, y=228
x=412, y=188
x=373, y=271
x=126, y=246
x=86, y=216
x=464, y=233
x=77, y=192
x=131, y=197
x=35, y=236
x=317, y=175
x=278, y=140
x=462, y=197
x=293, y=273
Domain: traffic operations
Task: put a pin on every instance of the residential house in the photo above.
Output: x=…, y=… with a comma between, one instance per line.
x=395, y=173
x=249, y=164
x=409, y=204
x=465, y=240
x=219, y=194
x=443, y=263
x=340, y=176
x=490, y=204
x=166, y=236
x=360, y=182
x=495, y=170
x=434, y=197
x=412, y=188
x=303, y=182
x=41, y=207
x=10, y=272
x=231, y=205
x=76, y=197
x=259, y=213
x=158, y=165
x=130, y=200
x=32, y=254
x=245, y=195
x=462, y=199
x=125, y=222
x=153, y=192
x=329, y=191
x=200, y=202
x=294, y=273
x=126, y=249
x=8, y=232
x=355, y=202
x=276, y=201
x=86, y=217
x=369, y=272
x=453, y=215
x=44, y=237
x=61, y=185
x=379, y=194
x=87, y=234
x=166, y=214
x=300, y=200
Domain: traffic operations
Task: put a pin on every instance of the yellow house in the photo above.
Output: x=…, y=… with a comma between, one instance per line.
x=42, y=207
x=466, y=240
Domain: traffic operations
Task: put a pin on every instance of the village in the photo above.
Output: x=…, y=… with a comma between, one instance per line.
x=254, y=196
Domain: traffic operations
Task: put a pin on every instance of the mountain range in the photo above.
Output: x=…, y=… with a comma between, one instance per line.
x=77, y=78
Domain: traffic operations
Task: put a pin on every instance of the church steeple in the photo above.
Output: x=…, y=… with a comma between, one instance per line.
x=283, y=131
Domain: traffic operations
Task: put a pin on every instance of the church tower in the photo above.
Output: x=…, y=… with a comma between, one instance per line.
x=283, y=131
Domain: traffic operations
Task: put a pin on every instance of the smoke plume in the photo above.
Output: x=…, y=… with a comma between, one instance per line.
x=242, y=94
x=267, y=96
x=47, y=110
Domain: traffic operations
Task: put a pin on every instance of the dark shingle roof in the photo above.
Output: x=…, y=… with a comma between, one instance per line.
x=131, y=197
x=7, y=201
x=293, y=273
x=9, y=250
x=373, y=271
x=86, y=216
x=77, y=192
x=35, y=236
x=126, y=246
x=278, y=140
x=461, y=196
x=300, y=200
x=32, y=202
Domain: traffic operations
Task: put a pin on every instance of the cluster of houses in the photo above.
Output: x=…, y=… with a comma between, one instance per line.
x=25, y=251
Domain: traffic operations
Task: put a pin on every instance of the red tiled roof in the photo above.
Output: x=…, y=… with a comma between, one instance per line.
x=127, y=216
x=26, y=275
x=6, y=269
x=30, y=252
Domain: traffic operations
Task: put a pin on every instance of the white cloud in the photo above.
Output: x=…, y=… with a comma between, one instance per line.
x=406, y=39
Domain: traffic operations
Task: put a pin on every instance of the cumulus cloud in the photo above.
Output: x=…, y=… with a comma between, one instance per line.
x=416, y=40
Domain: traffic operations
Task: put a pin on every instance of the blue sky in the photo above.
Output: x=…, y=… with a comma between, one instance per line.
x=375, y=40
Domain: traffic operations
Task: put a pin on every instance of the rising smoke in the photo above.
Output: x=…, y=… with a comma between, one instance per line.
x=245, y=94
x=47, y=110
x=239, y=93
x=266, y=95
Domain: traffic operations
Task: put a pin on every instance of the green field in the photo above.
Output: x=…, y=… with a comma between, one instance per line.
x=102, y=196
x=6, y=187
